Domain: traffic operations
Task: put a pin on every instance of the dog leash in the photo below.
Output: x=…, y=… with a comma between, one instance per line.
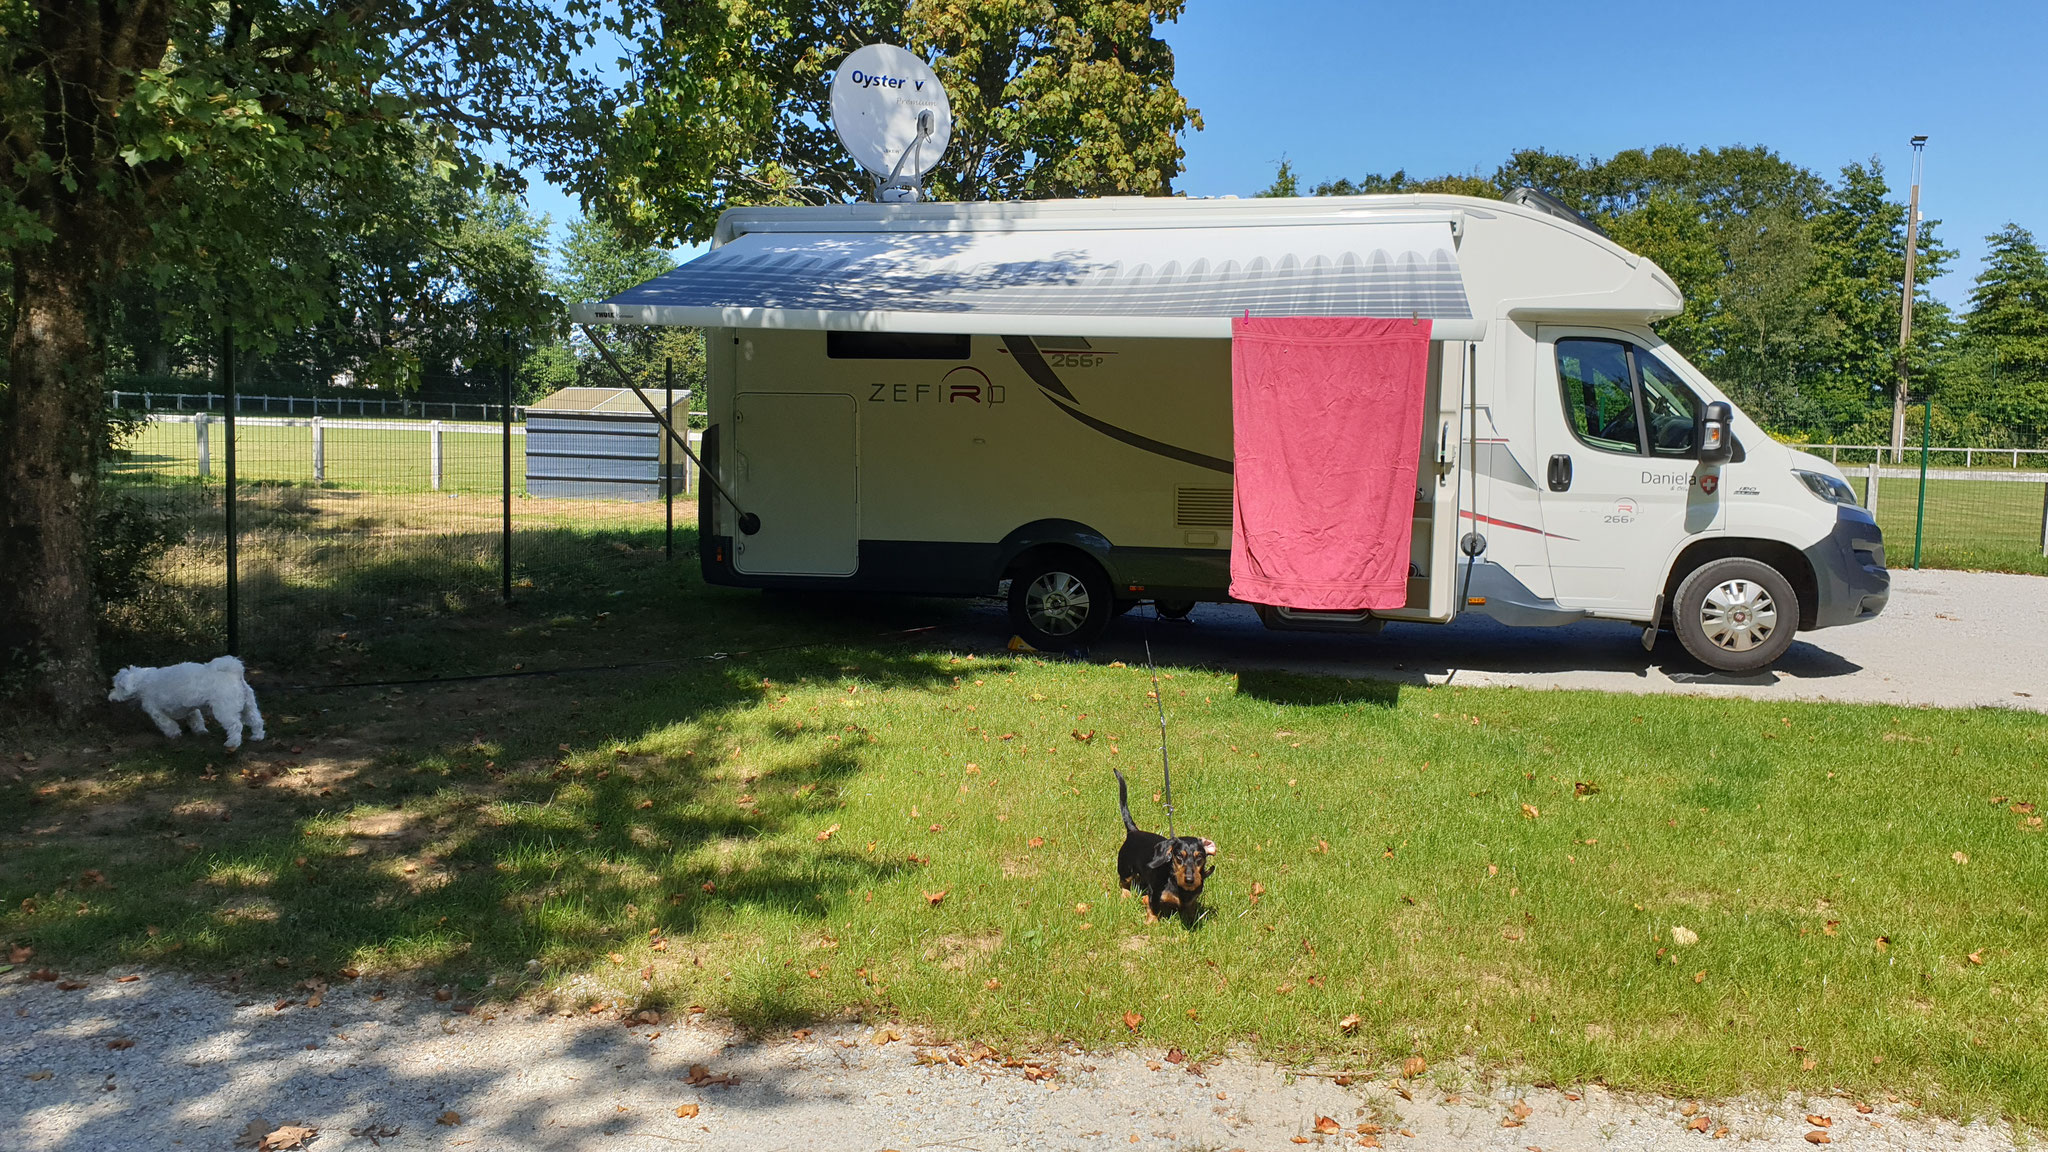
x=1165, y=768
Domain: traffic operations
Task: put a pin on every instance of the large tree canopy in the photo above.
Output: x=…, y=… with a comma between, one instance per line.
x=152, y=138
x=1792, y=283
x=727, y=102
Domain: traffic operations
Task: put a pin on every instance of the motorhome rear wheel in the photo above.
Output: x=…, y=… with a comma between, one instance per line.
x=1060, y=601
x=1735, y=615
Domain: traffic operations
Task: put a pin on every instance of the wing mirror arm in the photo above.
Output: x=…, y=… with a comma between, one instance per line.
x=1716, y=439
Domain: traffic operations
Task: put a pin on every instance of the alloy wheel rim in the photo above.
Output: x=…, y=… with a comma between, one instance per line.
x=1738, y=615
x=1057, y=603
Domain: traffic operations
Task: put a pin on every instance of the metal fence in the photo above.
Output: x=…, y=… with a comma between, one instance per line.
x=314, y=542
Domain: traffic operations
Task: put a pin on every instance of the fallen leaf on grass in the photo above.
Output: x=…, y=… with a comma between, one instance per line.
x=1327, y=1126
x=1883, y=943
x=933, y=898
x=1036, y=842
x=1132, y=1020
x=1977, y=957
x=1348, y=1024
x=449, y=1119
x=687, y=1111
x=1684, y=937
x=1959, y=857
x=1807, y=1065
x=1700, y=977
x=1529, y=811
x=1414, y=1066
x=827, y=833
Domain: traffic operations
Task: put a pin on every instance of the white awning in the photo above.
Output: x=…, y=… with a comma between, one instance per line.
x=1100, y=282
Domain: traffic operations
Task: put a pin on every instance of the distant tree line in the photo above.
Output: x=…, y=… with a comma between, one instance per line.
x=1793, y=284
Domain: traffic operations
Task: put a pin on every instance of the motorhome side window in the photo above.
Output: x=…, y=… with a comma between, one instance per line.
x=1599, y=396
x=1602, y=381
x=1671, y=407
x=897, y=346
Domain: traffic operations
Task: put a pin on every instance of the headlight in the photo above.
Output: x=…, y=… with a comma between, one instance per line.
x=1827, y=487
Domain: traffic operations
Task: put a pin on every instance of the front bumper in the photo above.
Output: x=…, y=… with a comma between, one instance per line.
x=1848, y=570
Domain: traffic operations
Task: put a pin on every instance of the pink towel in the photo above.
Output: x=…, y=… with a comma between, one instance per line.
x=1327, y=419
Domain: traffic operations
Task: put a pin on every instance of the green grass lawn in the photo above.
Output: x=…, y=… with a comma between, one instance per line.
x=864, y=822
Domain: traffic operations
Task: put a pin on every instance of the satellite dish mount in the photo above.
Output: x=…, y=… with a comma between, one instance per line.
x=892, y=115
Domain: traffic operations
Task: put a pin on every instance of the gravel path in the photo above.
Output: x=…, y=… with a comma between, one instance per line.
x=1947, y=639
x=159, y=1062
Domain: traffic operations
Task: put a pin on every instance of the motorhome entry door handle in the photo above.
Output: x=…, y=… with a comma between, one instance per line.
x=1560, y=473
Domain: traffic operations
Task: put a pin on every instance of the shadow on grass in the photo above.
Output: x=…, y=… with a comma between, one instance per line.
x=1289, y=688
x=446, y=860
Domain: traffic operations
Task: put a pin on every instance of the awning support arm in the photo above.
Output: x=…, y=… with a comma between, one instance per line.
x=748, y=522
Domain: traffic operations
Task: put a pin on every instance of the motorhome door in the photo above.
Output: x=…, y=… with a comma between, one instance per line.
x=1615, y=428
x=797, y=461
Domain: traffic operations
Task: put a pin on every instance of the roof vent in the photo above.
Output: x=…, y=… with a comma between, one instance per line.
x=1550, y=205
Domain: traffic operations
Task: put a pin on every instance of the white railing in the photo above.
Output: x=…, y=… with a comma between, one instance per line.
x=310, y=405
x=1969, y=455
x=204, y=422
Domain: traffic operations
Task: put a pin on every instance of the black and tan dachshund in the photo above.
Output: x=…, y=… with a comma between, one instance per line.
x=1168, y=873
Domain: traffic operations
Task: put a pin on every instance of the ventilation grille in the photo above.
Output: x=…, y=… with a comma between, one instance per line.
x=1201, y=507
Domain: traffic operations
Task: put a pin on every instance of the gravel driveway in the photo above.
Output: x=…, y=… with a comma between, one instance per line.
x=1948, y=639
x=162, y=1063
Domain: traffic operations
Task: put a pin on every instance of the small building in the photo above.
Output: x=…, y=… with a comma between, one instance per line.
x=601, y=444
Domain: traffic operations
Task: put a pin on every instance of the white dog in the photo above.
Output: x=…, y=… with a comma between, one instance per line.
x=183, y=691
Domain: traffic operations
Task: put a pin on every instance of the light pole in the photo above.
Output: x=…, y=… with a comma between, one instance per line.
x=1900, y=396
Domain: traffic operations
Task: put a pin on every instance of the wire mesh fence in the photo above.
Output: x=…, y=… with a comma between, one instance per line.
x=353, y=532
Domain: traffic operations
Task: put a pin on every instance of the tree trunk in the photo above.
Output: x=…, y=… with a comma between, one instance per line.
x=49, y=470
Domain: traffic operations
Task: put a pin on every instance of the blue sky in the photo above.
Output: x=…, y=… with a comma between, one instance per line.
x=1342, y=88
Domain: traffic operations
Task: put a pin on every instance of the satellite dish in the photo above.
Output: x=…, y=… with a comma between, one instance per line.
x=892, y=115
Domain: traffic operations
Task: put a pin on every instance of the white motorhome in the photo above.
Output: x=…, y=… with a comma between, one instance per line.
x=939, y=399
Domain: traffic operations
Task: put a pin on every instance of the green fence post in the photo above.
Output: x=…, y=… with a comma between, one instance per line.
x=1926, y=438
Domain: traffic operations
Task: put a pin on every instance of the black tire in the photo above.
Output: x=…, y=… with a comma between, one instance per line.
x=1735, y=615
x=1173, y=609
x=1060, y=601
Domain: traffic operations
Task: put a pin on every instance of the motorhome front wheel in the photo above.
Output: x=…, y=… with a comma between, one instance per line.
x=1735, y=615
x=1060, y=602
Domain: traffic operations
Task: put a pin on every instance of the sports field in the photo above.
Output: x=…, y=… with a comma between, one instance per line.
x=1989, y=525
x=366, y=459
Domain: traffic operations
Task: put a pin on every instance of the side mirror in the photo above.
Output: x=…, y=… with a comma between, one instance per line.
x=1717, y=443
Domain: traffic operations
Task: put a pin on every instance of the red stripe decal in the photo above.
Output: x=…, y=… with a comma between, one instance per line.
x=1515, y=526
